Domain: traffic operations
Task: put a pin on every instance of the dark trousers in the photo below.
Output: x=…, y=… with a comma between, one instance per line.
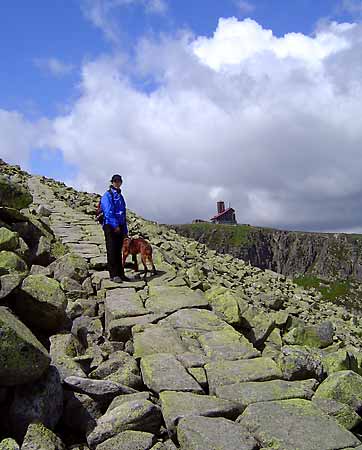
x=114, y=242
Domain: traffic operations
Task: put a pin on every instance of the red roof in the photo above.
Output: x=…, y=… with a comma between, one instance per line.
x=222, y=213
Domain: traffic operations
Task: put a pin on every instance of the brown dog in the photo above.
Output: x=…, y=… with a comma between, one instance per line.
x=135, y=246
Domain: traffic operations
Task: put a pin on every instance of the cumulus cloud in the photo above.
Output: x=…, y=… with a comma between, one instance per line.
x=54, y=66
x=271, y=125
x=19, y=136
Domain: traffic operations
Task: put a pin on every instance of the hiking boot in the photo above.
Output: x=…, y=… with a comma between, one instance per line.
x=116, y=279
x=124, y=278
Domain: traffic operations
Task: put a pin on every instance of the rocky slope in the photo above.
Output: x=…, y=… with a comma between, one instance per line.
x=210, y=353
x=332, y=263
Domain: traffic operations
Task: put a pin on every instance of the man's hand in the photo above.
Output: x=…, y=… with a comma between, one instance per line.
x=117, y=230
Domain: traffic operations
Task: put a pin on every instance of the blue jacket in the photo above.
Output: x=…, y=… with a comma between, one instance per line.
x=114, y=210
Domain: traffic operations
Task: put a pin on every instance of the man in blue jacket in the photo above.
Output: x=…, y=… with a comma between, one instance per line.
x=115, y=228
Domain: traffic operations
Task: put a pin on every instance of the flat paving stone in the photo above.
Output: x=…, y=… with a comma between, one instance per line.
x=221, y=373
x=209, y=433
x=170, y=299
x=163, y=372
x=244, y=394
x=176, y=405
x=122, y=303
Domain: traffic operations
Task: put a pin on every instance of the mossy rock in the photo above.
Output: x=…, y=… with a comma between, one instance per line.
x=338, y=361
x=11, y=262
x=300, y=363
x=224, y=304
x=295, y=424
x=9, y=444
x=41, y=303
x=8, y=239
x=13, y=194
x=128, y=440
x=70, y=265
x=318, y=336
x=344, y=386
x=38, y=437
x=23, y=359
x=209, y=433
x=344, y=414
x=176, y=405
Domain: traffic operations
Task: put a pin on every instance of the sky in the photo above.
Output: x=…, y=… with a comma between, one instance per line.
x=254, y=102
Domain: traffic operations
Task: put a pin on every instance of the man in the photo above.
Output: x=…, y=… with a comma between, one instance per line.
x=115, y=228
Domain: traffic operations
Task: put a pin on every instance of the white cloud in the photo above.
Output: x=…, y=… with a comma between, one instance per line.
x=235, y=42
x=19, y=136
x=103, y=14
x=54, y=66
x=244, y=6
x=271, y=124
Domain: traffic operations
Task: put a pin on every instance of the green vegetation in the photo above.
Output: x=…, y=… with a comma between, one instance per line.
x=330, y=290
x=58, y=249
x=234, y=235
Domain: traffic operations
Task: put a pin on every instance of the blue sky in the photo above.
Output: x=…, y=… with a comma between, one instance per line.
x=57, y=29
x=60, y=59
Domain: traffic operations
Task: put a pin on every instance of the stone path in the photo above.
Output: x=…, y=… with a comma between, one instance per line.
x=78, y=231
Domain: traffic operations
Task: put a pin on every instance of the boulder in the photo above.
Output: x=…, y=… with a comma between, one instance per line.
x=339, y=360
x=43, y=252
x=11, y=262
x=41, y=401
x=13, y=195
x=318, y=336
x=133, y=415
x=9, y=282
x=80, y=412
x=300, y=363
x=128, y=440
x=121, y=329
x=209, y=433
x=295, y=424
x=81, y=307
x=221, y=373
x=176, y=405
x=38, y=437
x=120, y=368
x=9, y=444
x=100, y=390
x=257, y=325
x=344, y=386
x=163, y=372
x=23, y=359
x=244, y=394
x=8, y=239
x=63, y=349
x=227, y=344
x=41, y=303
x=344, y=414
x=224, y=304
x=70, y=265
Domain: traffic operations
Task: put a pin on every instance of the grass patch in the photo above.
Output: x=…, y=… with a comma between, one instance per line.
x=330, y=290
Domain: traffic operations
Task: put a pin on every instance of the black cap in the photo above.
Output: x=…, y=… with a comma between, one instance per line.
x=114, y=177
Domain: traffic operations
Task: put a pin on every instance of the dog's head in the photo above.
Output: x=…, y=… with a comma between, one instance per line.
x=126, y=243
